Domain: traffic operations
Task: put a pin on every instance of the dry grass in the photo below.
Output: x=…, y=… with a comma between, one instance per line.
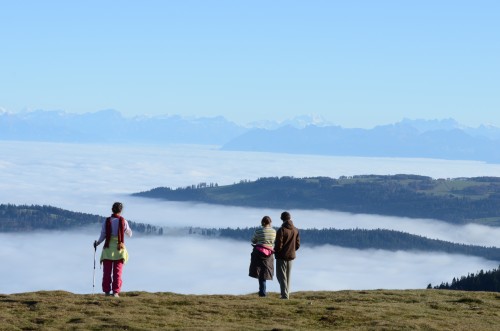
x=344, y=310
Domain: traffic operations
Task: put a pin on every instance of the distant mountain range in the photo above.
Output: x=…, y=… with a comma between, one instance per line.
x=444, y=139
x=308, y=134
x=109, y=126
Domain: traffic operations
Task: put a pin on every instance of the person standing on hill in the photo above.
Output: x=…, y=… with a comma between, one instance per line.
x=114, y=253
x=287, y=242
x=262, y=258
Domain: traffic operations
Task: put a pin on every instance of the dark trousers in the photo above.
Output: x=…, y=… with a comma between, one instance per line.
x=262, y=287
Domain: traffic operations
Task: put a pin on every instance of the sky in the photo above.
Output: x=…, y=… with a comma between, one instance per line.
x=89, y=178
x=355, y=63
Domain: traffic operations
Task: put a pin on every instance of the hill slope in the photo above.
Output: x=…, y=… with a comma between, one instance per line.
x=344, y=310
x=32, y=218
x=25, y=218
x=458, y=200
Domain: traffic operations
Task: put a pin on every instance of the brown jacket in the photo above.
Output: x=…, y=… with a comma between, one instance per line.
x=287, y=241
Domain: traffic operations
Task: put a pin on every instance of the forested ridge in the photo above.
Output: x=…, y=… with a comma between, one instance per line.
x=365, y=239
x=25, y=218
x=458, y=200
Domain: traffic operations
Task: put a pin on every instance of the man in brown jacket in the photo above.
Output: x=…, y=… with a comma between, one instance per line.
x=287, y=242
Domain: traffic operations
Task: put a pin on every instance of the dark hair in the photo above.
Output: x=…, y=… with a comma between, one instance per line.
x=117, y=207
x=266, y=220
x=285, y=216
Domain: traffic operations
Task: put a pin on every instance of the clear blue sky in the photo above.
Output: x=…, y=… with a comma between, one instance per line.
x=356, y=63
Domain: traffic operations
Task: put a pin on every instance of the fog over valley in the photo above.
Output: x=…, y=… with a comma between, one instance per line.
x=64, y=261
x=90, y=177
x=84, y=177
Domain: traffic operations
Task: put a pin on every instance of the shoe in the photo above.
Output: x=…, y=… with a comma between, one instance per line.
x=116, y=295
x=107, y=294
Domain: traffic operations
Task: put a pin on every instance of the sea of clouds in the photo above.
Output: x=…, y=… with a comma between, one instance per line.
x=90, y=177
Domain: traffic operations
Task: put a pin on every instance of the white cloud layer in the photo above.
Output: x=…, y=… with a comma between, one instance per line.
x=64, y=261
x=89, y=178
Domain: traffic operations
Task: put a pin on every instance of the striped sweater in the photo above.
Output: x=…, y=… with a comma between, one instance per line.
x=264, y=236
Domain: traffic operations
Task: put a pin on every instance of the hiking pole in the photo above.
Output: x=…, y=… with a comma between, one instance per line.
x=93, y=276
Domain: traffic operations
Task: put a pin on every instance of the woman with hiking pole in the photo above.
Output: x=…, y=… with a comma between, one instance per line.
x=114, y=253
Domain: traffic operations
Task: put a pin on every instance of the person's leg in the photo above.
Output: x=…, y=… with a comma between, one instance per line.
x=117, y=276
x=262, y=287
x=288, y=276
x=106, y=275
x=281, y=276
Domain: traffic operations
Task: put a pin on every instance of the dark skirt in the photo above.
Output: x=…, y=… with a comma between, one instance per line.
x=261, y=266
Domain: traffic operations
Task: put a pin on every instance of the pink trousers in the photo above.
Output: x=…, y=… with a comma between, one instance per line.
x=112, y=276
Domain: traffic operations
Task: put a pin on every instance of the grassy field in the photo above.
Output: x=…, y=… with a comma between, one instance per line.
x=343, y=310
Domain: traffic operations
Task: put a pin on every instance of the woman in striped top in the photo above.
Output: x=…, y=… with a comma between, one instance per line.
x=262, y=257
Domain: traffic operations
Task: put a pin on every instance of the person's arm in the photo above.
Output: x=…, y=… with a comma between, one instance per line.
x=254, y=237
x=103, y=234
x=297, y=241
x=278, y=244
x=273, y=237
x=127, y=229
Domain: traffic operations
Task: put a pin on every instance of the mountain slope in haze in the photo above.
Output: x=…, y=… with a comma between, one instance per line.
x=109, y=126
x=308, y=134
x=403, y=139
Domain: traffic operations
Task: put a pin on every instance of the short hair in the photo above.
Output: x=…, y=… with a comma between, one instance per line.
x=266, y=220
x=117, y=207
x=285, y=216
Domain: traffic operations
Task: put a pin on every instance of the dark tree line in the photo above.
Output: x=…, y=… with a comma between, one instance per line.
x=15, y=218
x=25, y=218
x=481, y=281
x=30, y=218
x=457, y=200
x=368, y=239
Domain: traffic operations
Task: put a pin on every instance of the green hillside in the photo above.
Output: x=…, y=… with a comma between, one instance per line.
x=32, y=218
x=458, y=200
x=24, y=218
x=343, y=310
